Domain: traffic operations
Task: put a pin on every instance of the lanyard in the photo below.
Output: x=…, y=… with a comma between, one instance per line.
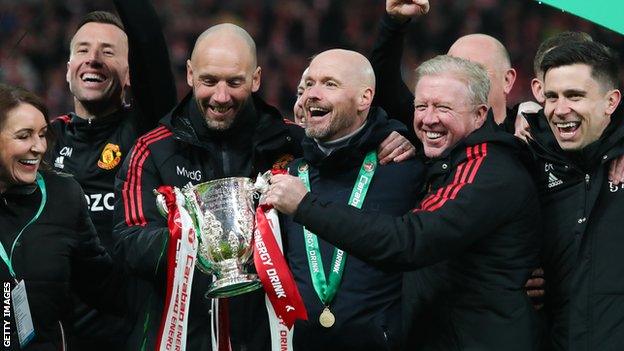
x=327, y=289
x=7, y=259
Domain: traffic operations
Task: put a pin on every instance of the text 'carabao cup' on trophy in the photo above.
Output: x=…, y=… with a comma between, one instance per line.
x=223, y=213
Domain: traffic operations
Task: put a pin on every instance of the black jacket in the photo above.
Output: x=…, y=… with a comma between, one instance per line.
x=392, y=93
x=368, y=303
x=93, y=151
x=183, y=150
x=583, y=241
x=56, y=255
x=481, y=216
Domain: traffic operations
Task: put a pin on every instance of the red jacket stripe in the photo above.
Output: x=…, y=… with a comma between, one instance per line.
x=128, y=184
x=133, y=205
x=465, y=174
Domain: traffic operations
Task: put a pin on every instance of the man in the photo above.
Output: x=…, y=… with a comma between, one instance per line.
x=343, y=132
x=574, y=140
x=92, y=141
x=221, y=129
x=393, y=94
x=480, y=215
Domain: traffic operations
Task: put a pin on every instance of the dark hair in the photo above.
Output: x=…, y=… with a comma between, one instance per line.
x=11, y=97
x=554, y=41
x=101, y=17
x=603, y=61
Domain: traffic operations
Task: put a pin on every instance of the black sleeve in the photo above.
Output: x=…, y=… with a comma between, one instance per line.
x=153, y=85
x=391, y=92
x=94, y=277
x=423, y=237
x=140, y=233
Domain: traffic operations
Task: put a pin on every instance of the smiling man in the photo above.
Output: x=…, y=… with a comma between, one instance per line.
x=107, y=57
x=480, y=215
x=343, y=132
x=220, y=129
x=579, y=133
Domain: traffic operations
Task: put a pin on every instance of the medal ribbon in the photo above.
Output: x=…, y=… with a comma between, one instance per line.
x=44, y=196
x=326, y=289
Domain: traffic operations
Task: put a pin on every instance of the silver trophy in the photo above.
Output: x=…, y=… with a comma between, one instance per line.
x=223, y=213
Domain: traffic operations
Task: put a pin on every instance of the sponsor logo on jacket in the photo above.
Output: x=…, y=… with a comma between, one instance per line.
x=110, y=158
x=192, y=175
x=100, y=202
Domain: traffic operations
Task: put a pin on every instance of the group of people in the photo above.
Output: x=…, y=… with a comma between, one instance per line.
x=434, y=236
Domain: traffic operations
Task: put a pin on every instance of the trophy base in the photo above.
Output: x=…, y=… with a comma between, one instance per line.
x=233, y=286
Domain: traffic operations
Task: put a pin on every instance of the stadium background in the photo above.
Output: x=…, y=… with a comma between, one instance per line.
x=34, y=36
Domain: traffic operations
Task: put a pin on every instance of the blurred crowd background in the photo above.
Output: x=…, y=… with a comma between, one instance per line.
x=34, y=36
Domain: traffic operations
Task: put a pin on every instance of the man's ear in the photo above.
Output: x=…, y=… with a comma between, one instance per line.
x=481, y=115
x=537, y=87
x=365, y=99
x=510, y=79
x=613, y=100
x=255, y=79
x=189, y=73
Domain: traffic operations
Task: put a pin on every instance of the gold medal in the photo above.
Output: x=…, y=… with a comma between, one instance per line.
x=327, y=318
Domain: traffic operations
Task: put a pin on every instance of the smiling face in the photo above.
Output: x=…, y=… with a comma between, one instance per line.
x=22, y=145
x=223, y=75
x=97, y=70
x=444, y=113
x=577, y=107
x=337, y=96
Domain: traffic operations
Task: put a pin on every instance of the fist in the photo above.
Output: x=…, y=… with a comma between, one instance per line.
x=405, y=9
x=285, y=193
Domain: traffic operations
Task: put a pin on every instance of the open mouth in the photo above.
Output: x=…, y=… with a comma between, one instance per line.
x=433, y=135
x=29, y=162
x=567, y=128
x=220, y=110
x=93, y=78
x=316, y=111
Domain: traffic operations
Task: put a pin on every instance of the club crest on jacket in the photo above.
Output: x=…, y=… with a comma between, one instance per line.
x=110, y=158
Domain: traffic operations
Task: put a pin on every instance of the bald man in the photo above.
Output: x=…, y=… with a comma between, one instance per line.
x=395, y=97
x=220, y=129
x=351, y=306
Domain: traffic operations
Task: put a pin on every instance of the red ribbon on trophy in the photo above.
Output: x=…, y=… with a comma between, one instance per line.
x=181, y=255
x=275, y=275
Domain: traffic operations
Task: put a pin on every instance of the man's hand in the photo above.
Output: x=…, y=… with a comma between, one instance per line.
x=522, y=129
x=616, y=170
x=285, y=193
x=402, y=10
x=395, y=148
x=535, y=288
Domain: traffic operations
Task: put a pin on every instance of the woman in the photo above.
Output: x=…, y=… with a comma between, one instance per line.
x=50, y=245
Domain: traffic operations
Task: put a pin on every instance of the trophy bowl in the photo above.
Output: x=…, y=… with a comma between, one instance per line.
x=224, y=214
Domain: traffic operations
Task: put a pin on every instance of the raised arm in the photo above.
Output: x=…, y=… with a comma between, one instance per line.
x=151, y=79
x=392, y=94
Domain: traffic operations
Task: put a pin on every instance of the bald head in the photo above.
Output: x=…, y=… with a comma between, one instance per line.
x=227, y=35
x=223, y=73
x=355, y=67
x=339, y=90
x=481, y=48
x=493, y=56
